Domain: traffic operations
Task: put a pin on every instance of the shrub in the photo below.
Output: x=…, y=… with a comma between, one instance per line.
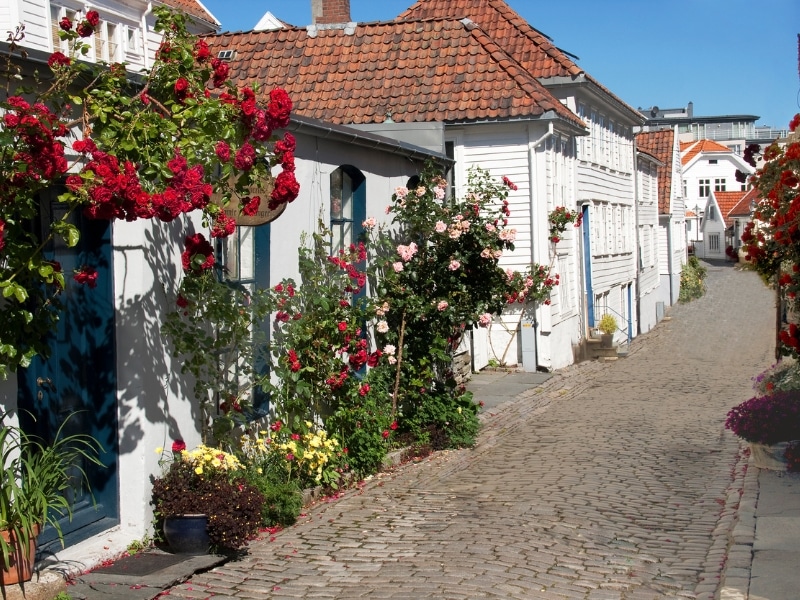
x=767, y=419
x=693, y=277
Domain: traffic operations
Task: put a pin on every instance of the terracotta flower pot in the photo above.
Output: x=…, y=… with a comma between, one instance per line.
x=22, y=559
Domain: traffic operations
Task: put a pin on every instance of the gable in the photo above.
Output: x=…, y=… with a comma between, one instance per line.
x=441, y=70
x=534, y=50
x=661, y=144
x=194, y=9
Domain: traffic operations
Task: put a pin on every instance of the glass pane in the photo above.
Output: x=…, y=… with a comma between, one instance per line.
x=336, y=195
x=247, y=253
x=347, y=197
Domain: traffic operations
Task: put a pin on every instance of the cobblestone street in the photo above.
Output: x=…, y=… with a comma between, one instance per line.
x=613, y=480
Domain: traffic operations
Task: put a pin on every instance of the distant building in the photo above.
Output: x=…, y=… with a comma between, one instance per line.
x=734, y=131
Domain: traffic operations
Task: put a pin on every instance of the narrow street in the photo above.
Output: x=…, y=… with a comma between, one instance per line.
x=610, y=481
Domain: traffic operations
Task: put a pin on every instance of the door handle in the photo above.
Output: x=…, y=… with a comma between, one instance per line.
x=44, y=382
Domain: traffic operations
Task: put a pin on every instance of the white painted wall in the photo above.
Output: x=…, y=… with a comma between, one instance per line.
x=649, y=281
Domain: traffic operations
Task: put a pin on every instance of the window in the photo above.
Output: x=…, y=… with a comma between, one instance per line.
x=719, y=185
x=56, y=14
x=105, y=43
x=704, y=188
x=685, y=188
x=132, y=37
x=711, y=216
x=713, y=242
x=712, y=161
x=348, y=207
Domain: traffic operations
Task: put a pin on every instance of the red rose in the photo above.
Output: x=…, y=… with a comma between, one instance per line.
x=57, y=59
x=65, y=24
x=385, y=433
x=84, y=29
x=93, y=17
x=178, y=446
x=86, y=276
x=250, y=206
x=201, y=51
x=197, y=248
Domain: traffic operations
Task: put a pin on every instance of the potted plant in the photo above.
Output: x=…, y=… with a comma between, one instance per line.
x=36, y=477
x=607, y=327
x=770, y=422
x=202, y=501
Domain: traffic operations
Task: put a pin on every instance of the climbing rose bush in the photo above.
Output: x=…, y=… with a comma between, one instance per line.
x=156, y=147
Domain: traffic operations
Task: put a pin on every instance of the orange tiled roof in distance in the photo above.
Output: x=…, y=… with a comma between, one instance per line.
x=534, y=50
x=726, y=201
x=194, y=10
x=691, y=149
x=660, y=144
x=441, y=70
x=742, y=208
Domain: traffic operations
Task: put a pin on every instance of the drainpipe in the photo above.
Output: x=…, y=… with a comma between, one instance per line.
x=529, y=332
x=147, y=12
x=637, y=258
x=670, y=262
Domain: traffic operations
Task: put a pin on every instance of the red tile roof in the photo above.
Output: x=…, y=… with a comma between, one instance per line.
x=661, y=145
x=743, y=207
x=414, y=71
x=533, y=49
x=689, y=150
x=727, y=201
x=194, y=10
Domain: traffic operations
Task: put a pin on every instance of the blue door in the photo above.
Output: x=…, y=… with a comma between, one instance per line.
x=79, y=376
x=587, y=263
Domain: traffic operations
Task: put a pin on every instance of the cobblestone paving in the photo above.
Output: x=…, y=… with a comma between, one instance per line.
x=612, y=481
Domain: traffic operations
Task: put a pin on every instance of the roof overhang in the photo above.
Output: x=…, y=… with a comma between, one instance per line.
x=593, y=92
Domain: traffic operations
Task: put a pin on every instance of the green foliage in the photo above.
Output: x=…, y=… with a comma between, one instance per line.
x=693, y=277
x=445, y=419
x=283, y=501
x=212, y=332
x=38, y=478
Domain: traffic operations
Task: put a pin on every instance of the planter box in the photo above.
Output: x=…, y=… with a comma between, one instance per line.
x=770, y=457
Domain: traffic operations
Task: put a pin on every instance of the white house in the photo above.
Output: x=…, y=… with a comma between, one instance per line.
x=648, y=281
x=672, y=245
x=112, y=359
x=480, y=80
x=710, y=167
x=726, y=214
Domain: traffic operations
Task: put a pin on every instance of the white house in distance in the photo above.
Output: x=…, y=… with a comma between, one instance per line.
x=119, y=369
x=671, y=213
x=710, y=167
x=726, y=214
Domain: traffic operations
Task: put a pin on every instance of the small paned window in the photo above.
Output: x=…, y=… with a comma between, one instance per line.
x=704, y=188
x=719, y=185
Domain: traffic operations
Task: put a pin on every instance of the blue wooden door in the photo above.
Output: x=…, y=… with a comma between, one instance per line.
x=79, y=376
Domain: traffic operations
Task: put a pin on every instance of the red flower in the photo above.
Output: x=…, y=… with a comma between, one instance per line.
x=223, y=151
x=58, y=59
x=2, y=232
x=280, y=108
x=178, y=446
x=93, y=17
x=342, y=326
x=363, y=390
x=182, y=88
x=181, y=301
x=86, y=276
x=393, y=426
x=84, y=29
x=250, y=206
x=199, y=255
x=245, y=157
x=295, y=436
x=276, y=426
x=385, y=433
x=286, y=189
x=223, y=226
x=509, y=184
x=201, y=51
x=65, y=24
x=794, y=122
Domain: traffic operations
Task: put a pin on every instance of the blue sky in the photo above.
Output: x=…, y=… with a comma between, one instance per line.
x=725, y=56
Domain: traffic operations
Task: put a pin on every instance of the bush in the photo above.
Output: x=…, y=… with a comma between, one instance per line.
x=693, y=277
x=767, y=419
x=444, y=420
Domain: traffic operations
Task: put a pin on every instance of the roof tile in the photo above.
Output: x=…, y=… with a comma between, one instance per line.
x=431, y=77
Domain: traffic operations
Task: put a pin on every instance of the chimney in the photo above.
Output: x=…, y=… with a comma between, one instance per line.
x=328, y=12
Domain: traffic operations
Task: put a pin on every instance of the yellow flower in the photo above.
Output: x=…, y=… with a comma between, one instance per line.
x=199, y=469
x=159, y=450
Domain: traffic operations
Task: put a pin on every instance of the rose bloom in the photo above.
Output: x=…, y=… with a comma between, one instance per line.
x=382, y=327
x=442, y=305
x=438, y=193
x=420, y=191
x=485, y=319
x=392, y=360
x=342, y=326
x=370, y=223
x=389, y=349
x=398, y=266
x=401, y=192
x=441, y=227
x=454, y=265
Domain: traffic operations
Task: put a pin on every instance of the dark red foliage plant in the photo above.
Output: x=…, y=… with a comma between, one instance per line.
x=767, y=419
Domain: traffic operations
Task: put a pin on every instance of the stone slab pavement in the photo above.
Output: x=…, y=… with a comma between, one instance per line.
x=607, y=481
